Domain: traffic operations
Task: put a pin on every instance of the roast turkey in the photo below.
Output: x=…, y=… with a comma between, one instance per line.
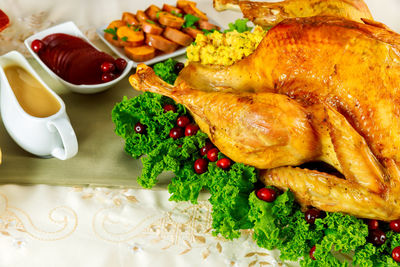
x=316, y=89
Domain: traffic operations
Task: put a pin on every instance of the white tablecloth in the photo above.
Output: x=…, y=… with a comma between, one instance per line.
x=74, y=226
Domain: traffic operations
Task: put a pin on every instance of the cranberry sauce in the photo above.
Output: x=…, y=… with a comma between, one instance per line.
x=73, y=59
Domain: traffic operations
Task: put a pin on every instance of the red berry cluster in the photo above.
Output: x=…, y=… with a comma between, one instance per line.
x=111, y=70
x=378, y=237
x=211, y=153
x=186, y=128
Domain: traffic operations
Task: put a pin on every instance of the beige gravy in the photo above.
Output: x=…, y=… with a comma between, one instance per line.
x=35, y=99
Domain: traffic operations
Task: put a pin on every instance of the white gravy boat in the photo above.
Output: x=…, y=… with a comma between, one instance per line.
x=48, y=135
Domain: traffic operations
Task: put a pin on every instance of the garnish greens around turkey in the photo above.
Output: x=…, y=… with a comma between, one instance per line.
x=163, y=131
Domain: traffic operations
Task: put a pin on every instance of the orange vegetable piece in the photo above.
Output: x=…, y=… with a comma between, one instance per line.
x=152, y=11
x=182, y=3
x=130, y=18
x=193, y=10
x=140, y=53
x=130, y=37
x=169, y=20
x=110, y=37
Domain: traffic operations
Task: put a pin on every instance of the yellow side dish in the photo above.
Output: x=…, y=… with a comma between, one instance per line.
x=224, y=48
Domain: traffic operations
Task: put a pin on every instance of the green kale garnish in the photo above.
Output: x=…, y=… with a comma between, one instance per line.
x=112, y=31
x=166, y=70
x=240, y=25
x=176, y=14
x=280, y=224
x=190, y=20
x=229, y=189
x=207, y=32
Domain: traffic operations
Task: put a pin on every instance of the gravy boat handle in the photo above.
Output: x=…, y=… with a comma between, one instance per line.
x=69, y=142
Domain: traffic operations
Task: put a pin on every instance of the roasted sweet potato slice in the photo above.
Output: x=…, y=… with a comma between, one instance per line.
x=140, y=53
x=177, y=36
x=130, y=37
x=169, y=20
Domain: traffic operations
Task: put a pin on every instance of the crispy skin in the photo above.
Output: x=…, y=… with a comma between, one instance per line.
x=221, y=5
x=329, y=193
x=269, y=14
x=353, y=67
x=270, y=130
x=337, y=82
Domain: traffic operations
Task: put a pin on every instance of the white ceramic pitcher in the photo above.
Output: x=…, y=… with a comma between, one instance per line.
x=50, y=136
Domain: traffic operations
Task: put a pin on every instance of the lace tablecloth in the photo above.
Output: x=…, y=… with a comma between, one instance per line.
x=45, y=225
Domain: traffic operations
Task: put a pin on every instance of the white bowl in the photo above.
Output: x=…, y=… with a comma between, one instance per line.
x=71, y=29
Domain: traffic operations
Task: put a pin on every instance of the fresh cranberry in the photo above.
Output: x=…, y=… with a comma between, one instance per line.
x=200, y=166
x=107, y=76
x=107, y=66
x=266, y=194
x=191, y=129
x=224, y=163
x=176, y=133
x=37, y=45
x=312, y=250
x=373, y=224
x=395, y=226
x=182, y=121
x=140, y=128
x=396, y=254
x=179, y=66
x=120, y=63
x=212, y=154
x=169, y=107
x=311, y=215
x=377, y=237
x=206, y=148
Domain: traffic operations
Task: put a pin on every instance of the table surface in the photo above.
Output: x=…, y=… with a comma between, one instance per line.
x=43, y=225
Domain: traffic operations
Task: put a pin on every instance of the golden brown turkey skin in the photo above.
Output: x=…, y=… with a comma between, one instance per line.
x=353, y=67
x=264, y=130
x=315, y=89
x=269, y=14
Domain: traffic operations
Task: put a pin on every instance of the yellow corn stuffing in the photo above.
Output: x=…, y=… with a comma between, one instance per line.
x=224, y=48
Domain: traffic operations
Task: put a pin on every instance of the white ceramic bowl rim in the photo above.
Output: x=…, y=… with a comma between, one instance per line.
x=69, y=27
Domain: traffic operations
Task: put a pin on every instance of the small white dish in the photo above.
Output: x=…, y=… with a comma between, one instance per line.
x=71, y=29
x=120, y=51
x=37, y=128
